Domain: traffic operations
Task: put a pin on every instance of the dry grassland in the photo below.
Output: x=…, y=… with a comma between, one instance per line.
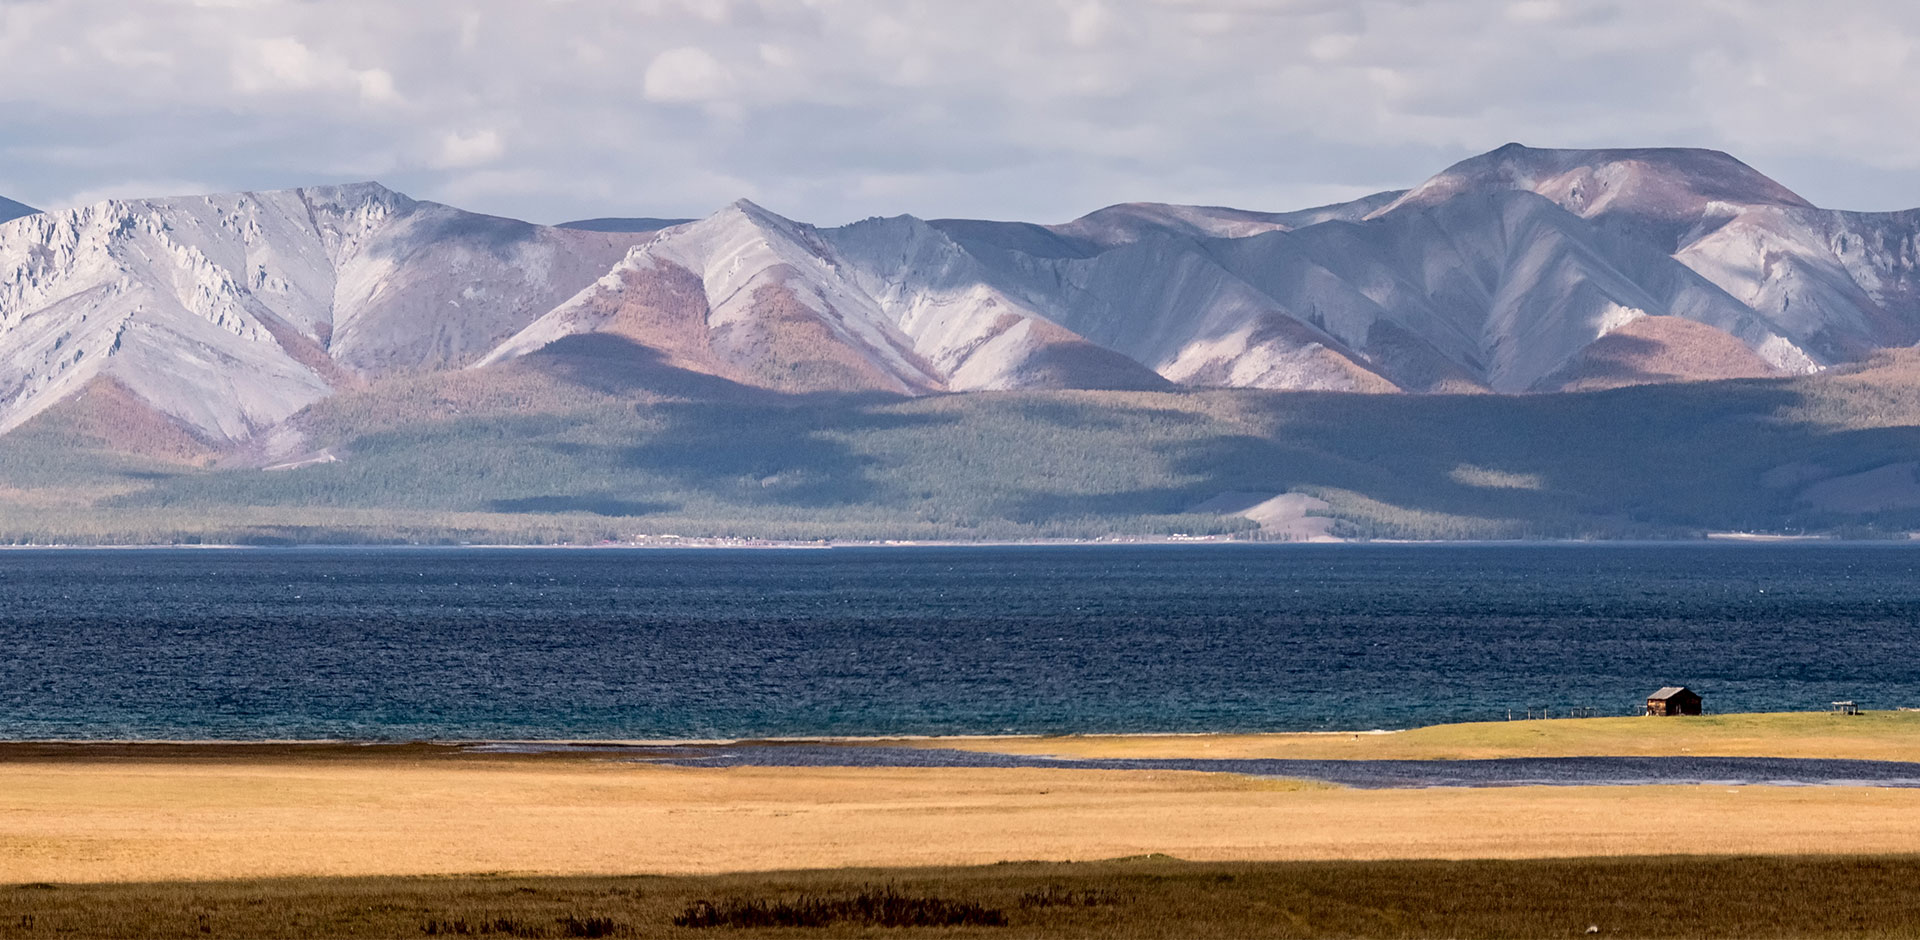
x=1886, y=735
x=227, y=812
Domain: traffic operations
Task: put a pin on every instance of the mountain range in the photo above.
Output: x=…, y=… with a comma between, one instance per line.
x=1518, y=271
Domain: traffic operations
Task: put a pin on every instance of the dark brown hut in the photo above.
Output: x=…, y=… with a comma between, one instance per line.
x=1674, y=700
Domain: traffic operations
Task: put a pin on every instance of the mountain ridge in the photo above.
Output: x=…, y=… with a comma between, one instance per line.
x=1519, y=270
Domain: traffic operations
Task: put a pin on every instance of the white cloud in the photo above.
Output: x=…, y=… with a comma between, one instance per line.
x=776, y=55
x=1332, y=47
x=686, y=74
x=1535, y=11
x=458, y=149
x=1088, y=23
x=128, y=189
x=283, y=63
x=835, y=109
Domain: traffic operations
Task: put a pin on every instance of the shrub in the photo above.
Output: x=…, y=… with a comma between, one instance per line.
x=882, y=907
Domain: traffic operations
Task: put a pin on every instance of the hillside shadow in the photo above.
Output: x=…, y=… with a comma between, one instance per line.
x=1647, y=460
x=794, y=451
x=599, y=504
x=733, y=441
x=497, y=236
x=1628, y=460
x=616, y=365
x=1616, y=360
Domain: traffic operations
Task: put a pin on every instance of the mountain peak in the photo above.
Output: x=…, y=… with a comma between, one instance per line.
x=755, y=216
x=749, y=207
x=364, y=188
x=1667, y=182
x=1130, y=222
x=351, y=195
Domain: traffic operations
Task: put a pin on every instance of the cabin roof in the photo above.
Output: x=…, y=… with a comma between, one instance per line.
x=1670, y=692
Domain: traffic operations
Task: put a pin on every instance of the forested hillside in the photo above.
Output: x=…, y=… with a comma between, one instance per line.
x=572, y=445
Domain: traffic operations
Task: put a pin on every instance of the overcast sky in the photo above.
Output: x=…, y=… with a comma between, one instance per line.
x=830, y=110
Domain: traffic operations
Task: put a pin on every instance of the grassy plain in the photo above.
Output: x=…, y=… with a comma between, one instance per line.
x=1150, y=897
x=1875, y=735
x=262, y=840
x=599, y=445
x=87, y=813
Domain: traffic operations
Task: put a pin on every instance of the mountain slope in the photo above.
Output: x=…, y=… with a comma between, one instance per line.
x=1837, y=285
x=1517, y=271
x=229, y=313
x=1505, y=285
x=886, y=305
x=569, y=445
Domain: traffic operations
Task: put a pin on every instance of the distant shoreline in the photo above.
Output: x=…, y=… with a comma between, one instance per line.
x=1747, y=733
x=1711, y=538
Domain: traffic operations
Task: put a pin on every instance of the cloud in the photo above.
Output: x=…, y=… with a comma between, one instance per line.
x=1535, y=11
x=836, y=109
x=283, y=63
x=459, y=149
x=129, y=189
x=1088, y=23
x=686, y=74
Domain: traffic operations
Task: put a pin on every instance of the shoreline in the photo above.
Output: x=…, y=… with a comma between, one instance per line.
x=727, y=544
x=1878, y=734
x=869, y=740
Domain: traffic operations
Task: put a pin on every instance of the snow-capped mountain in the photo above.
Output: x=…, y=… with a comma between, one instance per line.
x=891, y=305
x=1520, y=270
x=228, y=313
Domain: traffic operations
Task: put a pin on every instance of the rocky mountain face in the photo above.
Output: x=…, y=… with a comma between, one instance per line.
x=230, y=313
x=1520, y=270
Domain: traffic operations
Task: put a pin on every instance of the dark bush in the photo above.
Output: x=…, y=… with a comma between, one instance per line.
x=571, y=926
x=568, y=926
x=1059, y=896
x=882, y=907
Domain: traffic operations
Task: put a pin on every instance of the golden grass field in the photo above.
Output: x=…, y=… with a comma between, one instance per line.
x=1885, y=735
x=158, y=839
x=90, y=813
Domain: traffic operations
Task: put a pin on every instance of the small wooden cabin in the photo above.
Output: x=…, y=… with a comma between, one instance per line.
x=1674, y=700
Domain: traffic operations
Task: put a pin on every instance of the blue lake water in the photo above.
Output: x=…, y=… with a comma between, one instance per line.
x=483, y=643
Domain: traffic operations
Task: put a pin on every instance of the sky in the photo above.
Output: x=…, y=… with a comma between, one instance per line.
x=833, y=110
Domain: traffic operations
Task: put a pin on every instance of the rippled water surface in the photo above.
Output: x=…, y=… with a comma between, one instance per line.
x=397, y=644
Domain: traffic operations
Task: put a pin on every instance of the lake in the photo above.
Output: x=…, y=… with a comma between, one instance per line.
x=386, y=644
